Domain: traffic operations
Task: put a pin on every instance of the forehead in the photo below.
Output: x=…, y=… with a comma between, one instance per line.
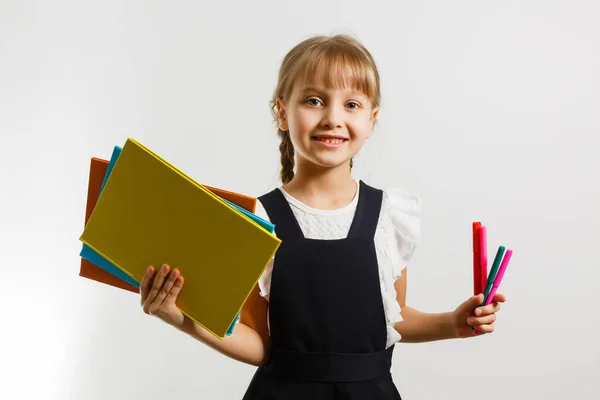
x=331, y=75
x=336, y=70
x=328, y=82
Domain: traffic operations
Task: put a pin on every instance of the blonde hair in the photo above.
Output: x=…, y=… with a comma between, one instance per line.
x=337, y=61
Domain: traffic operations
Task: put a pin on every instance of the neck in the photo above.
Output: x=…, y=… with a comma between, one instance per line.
x=325, y=188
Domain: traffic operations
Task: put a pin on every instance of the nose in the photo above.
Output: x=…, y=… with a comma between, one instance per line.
x=332, y=118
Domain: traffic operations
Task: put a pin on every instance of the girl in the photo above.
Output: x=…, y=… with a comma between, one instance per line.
x=324, y=318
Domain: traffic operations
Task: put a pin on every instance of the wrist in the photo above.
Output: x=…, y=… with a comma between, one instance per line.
x=178, y=322
x=451, y=325
x=189, y=327
x=418, y=326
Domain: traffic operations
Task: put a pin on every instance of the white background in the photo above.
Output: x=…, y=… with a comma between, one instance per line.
x=490, y=112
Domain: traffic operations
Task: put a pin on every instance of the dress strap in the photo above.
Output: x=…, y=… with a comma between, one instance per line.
x=281, y=215
x=367, y=212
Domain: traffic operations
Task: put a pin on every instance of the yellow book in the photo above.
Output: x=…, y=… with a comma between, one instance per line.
x=150, y=213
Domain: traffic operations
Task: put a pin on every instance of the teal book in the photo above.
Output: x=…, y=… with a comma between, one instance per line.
x=92, y=256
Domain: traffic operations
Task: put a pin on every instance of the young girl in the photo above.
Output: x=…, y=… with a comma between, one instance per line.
x=323, y=320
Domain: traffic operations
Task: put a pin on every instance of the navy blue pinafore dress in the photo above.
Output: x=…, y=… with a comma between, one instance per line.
x=327, y=321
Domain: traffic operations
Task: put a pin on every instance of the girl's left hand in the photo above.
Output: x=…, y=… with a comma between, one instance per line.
x=469, y=317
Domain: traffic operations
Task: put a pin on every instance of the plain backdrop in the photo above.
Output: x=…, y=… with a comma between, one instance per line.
x=490, y=112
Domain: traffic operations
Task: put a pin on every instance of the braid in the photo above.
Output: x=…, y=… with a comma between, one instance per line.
x=286, y=148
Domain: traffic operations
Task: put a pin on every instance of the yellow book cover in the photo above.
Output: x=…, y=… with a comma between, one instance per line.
x=150, y=213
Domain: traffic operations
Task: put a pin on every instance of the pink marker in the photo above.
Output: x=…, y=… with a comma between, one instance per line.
x=497, y=281
x=499, y=276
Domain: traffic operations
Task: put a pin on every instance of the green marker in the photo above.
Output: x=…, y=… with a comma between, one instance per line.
x=493, y=272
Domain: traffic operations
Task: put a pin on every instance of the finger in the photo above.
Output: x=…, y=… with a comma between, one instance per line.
x=146, y=283
x=486, y=328
x=166, y=288
x=472, y=302
x=489, y=309
x=174, y=292
x=499, y=298
x=475, y=322
x=159, y=279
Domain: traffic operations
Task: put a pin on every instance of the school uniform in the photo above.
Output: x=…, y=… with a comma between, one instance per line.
x=332, y=303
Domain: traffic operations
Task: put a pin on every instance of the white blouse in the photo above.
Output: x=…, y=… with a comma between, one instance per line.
x=396, y=237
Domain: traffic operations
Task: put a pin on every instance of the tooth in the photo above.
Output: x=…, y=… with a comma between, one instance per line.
x=331, y=141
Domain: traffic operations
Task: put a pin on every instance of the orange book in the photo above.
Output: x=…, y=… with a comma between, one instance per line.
x=248, y=203
x=98, y=170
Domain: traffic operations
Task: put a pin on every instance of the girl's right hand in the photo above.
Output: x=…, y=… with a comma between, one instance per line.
x=159, y=292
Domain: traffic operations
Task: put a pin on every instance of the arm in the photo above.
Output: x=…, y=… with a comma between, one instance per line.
x=418, y=326
x=250, y=340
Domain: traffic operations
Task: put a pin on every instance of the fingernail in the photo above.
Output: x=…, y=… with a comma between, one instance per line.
x=478, y=311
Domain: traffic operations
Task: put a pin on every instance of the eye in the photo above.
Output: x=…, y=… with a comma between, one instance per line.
x=313, y=102
x=354, y=105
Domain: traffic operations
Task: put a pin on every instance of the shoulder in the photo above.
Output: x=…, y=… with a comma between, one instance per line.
x=267, y=197
x=399, y=200
x=264, y=282
x=399, y=225
x=260, y=211
x=403, y=210
x=402, y=201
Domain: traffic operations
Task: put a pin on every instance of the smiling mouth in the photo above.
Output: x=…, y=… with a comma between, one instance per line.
x=330, y=140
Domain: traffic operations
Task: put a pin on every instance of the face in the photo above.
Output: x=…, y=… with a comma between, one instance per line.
x=327, y=127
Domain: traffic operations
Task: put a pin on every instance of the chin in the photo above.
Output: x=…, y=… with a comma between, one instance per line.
x=329, y=162
x=325, y=158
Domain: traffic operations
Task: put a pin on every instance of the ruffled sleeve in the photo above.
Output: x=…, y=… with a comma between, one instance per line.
x=397, y=237
x=405, y=233
x=264, y=282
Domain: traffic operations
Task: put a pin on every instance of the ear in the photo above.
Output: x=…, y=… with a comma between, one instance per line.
x=374, y=115
x=282, y=115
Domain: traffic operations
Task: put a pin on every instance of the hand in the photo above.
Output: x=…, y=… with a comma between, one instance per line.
x=471, y=320
x=159, y=292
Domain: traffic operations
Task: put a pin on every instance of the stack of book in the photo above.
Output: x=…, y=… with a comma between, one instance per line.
x=143, y=211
